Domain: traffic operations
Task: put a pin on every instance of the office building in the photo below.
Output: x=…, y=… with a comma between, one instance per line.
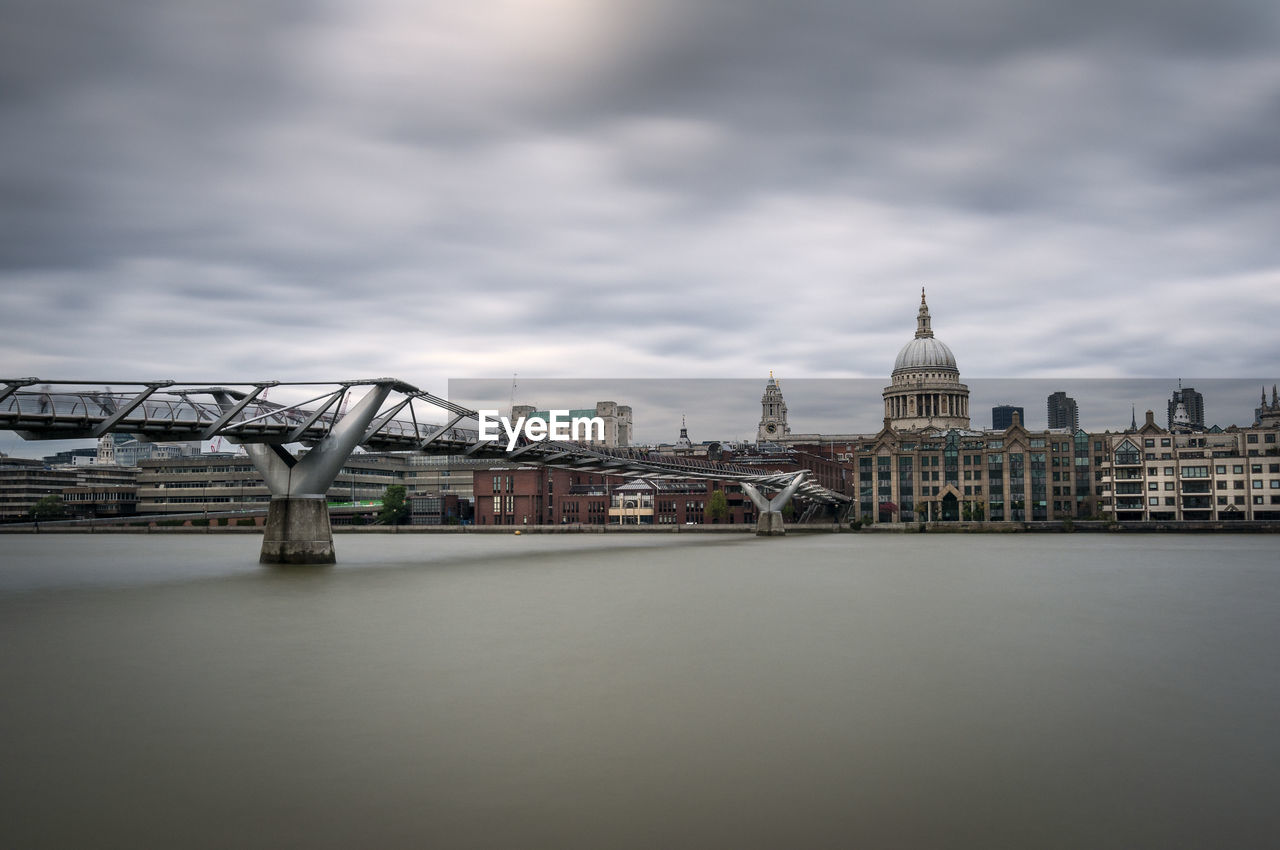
x=1192, y=402
x=1063, y=412
x=1002, y=416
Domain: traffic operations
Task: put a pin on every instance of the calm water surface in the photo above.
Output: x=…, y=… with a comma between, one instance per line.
x=1070, y=691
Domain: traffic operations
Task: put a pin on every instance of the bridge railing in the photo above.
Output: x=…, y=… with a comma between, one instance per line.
x=89, y=409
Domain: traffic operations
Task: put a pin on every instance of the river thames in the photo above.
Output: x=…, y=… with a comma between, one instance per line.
x=595, y=691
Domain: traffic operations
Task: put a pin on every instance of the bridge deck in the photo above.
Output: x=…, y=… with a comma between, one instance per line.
x=171, y=412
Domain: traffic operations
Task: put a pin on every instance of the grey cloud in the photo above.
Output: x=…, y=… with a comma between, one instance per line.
x=668, y=189
x=111, y=109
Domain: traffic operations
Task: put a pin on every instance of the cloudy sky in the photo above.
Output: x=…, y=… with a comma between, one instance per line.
x=593, y=188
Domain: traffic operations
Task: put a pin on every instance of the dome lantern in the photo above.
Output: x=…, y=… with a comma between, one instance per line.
x=922, y=319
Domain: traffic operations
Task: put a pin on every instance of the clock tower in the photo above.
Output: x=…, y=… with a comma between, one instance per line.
x=773, y=414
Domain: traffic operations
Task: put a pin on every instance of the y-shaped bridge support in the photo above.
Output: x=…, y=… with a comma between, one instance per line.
x=770, y=522
x=297, y=530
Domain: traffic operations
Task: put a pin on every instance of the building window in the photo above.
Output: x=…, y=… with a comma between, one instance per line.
x=1154, y=501
x=1251, y=438
x=1126, y=454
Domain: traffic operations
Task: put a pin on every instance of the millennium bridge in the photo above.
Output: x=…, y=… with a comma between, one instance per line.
x=384, y=418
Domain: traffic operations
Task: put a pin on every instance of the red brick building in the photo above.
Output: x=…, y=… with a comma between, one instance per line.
x=535, y=495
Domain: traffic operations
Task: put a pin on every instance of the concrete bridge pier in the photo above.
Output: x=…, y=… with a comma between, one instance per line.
x=770, y=522
x=297, y=532
x=297, y=529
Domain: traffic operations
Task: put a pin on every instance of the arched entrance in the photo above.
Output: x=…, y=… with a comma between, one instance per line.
x=950, y=508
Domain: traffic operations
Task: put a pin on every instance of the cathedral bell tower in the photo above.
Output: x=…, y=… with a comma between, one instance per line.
x=773, y=413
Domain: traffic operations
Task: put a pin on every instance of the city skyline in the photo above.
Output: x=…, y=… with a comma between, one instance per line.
x=838, y=406
x=640, y=190
x=826, y=406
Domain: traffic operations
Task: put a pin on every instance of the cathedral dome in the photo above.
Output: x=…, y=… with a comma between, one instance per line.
x=925, y=351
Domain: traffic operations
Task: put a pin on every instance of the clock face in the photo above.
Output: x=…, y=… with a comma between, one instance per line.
x=771, y=428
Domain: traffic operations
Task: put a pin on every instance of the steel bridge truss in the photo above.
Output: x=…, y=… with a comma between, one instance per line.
x=172, y=412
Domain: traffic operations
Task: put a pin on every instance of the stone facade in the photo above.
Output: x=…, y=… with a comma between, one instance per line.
x=1010, y=475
